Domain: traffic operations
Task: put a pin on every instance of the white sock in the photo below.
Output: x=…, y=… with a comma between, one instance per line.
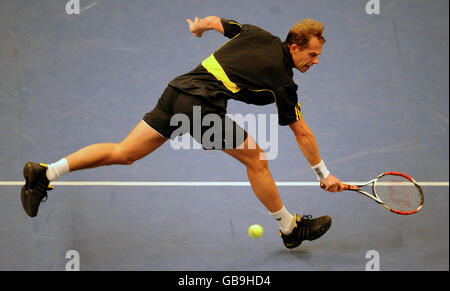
x=57, y=169
x=285, y=220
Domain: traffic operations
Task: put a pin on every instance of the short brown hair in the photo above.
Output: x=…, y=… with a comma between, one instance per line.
x=302, y=31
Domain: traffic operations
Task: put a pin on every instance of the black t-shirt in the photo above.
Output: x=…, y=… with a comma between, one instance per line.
x=254, y=67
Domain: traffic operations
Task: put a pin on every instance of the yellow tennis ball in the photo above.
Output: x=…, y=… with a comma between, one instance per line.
x=255, y=231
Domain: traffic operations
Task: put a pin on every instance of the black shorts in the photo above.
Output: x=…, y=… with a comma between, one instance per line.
x=178, y=113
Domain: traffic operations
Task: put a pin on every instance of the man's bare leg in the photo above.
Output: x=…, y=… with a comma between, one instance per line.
x=258, y=173
x=141, y=141
x=263, y=185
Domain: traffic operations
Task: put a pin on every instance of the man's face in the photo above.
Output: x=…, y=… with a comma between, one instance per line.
x=304, y=58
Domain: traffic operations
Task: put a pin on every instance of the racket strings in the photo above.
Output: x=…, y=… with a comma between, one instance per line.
x=399, y=193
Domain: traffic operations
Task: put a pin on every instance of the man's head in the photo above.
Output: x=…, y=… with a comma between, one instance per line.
x=305, y=42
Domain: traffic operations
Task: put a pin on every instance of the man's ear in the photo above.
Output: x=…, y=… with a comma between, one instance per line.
x=293, y=47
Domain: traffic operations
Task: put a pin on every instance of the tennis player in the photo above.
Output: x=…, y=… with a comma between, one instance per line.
x=254, y=67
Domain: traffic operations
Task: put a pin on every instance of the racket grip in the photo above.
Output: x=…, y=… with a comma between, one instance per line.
x=346, y=186
x=350, y=187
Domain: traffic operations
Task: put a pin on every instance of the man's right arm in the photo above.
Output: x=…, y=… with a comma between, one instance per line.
x=199, y=26
x=308, y=145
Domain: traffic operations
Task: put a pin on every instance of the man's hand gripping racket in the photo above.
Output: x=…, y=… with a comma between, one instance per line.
x=332, y=184
x=397, y=192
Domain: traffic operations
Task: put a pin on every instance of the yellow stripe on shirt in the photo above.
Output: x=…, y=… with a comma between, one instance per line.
x=233, y=22
x=213, y=67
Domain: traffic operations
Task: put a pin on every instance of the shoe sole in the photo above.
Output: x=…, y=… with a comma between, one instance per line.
x=26, y=192
x=30, y=179
x=24, y=196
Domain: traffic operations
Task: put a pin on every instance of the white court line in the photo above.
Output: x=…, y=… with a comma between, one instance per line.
x=188, y=184
x=89, y=6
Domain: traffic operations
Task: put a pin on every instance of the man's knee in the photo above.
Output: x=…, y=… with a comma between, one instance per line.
x=257, y=162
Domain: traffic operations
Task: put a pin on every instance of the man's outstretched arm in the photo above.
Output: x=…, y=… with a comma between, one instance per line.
x=308, y=145
x=199, y=26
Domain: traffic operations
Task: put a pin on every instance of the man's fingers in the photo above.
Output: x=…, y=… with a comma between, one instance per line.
x=331, y=184
x=338, y=187
x=332, y=188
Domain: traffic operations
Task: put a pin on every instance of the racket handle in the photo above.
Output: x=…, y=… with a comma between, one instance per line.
x=346, y=187
x=350, y=187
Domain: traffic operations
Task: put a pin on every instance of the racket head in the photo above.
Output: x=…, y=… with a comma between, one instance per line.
x=398, y=192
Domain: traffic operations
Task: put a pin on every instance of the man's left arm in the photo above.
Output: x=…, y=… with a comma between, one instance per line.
x=308, y=145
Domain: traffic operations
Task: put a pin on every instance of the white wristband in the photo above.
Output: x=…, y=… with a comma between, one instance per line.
x=321, y=171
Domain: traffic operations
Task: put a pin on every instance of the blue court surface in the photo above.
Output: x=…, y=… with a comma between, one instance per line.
x=378, y=101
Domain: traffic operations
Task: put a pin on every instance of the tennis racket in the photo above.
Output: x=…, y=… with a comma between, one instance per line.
x=397, y=192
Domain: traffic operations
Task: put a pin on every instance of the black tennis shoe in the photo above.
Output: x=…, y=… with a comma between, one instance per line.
x=35, y=189
x=307, y=228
